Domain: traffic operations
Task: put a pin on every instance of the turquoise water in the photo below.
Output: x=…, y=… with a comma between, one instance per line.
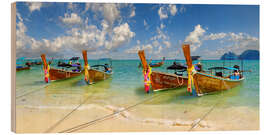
x=126, y=88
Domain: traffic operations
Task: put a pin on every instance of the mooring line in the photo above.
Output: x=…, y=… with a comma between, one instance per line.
x=84, y=125
x=207, y=113
x=61, y=120
x=31, y=92
x=194, y=125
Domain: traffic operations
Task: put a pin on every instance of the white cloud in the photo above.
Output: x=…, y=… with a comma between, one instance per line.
x=165, y=11
x=215, y=36
x=132, y=14
x=134, y=49
x=34, y=6
x=182, y=9
x=144, y=23
x=160, y=35
x=234, y=42
x=162, y=26
x=159, y=50
x=148, y=48
x=70, y=5
x=19, y=17
x=242, y=42
x=29, y=47
x=167, y=43
x=121, y=34
x=109, y=11
x=87, y=6
x=156, y=43
x=241, y=37
x=76, y=39
x=162, y=13
x=71, y=19
x=173, y=9
x=194, y=37
x=95, y=39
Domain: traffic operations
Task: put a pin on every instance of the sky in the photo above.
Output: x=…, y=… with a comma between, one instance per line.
x=118, y=31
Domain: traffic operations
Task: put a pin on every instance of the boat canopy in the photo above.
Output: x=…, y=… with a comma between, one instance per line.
x=220, y=68
x=195, y=57
x=105, y=60
x=98, y=66
x=75, y=58
x=68, y=65
x=177, y=66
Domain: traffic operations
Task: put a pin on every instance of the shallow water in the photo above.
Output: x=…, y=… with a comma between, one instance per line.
x=125, y=88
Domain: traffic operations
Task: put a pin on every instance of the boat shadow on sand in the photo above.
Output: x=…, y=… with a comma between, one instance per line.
x=164, y=97
x=77, y=85
x=181, y=96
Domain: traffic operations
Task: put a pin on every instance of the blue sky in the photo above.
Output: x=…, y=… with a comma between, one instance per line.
x=120, y=30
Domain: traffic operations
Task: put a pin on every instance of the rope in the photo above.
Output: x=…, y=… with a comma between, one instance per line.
x=84, y=125
x=181, y=82
x=33, y=91
x=211, y=109
x=61, y=120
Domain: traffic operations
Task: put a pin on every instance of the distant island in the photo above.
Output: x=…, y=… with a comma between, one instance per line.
x=246, y=55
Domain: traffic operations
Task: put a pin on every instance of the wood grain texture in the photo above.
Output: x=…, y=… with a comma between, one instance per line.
x=209, y=83
x=164, y=81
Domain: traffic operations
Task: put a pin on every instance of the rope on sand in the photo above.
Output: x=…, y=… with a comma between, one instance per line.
x=198, y=122
x=31, y=92
x=213, y=107
x=61, y=120
x=84, y=125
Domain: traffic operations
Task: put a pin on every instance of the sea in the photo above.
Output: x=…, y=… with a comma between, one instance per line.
x=125, y=89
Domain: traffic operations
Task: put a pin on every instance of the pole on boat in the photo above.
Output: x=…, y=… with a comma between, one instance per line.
x=43, y=58
x=46, y=68
x=84, y=53
x=146, y=71
x=191, y=81
x=86, y=74
x=143, y=60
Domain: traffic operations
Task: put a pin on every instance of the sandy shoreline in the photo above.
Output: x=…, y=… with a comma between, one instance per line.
x=33, y=119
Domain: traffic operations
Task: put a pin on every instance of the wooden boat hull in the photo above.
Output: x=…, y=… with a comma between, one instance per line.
x=157, y=65
x=209, y=83
x=163, y=81
x=96, y=75
x=24, y=68
x=58, y=74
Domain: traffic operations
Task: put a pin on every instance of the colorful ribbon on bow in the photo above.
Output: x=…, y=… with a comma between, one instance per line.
x=191, y=88
x=46, y=73
x=147, y=78
x=86, y=74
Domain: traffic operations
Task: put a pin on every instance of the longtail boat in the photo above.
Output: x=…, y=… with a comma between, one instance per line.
x=20, y=68
x=38, y=63
x=160, y=80
x=53, y=74
x=201, y=83
x=95, y=73
x=157, y=64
